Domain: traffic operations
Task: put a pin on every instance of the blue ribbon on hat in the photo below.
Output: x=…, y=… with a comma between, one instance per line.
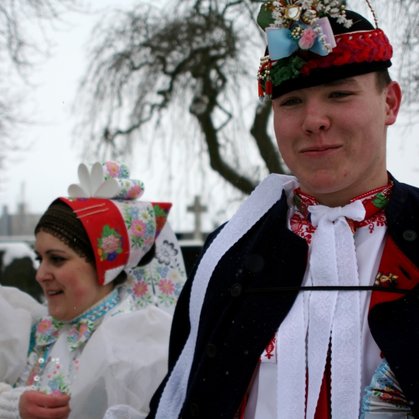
x=281, y=44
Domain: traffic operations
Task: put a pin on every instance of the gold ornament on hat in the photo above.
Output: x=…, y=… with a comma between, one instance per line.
x=292, y=12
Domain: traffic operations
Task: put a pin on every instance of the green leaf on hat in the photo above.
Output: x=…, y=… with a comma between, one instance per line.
x=264, y=18
x=286, y=69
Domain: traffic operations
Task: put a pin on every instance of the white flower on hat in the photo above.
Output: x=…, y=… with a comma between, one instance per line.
x=93, y=183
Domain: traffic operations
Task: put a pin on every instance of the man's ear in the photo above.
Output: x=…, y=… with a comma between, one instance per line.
x=393, y=100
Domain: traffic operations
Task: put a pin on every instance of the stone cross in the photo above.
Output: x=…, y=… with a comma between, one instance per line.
x=197, y=209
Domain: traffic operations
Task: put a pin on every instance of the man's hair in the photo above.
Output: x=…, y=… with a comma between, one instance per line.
x=383, y=79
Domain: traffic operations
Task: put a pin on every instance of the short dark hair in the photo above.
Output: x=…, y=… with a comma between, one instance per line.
x=383, y=79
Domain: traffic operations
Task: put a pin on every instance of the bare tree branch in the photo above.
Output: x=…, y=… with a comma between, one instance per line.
x=196, y=55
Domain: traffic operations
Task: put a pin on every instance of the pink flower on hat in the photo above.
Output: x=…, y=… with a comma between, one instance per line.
x=113, y=168
x=137, y=228
x=307, y=39
x=134, y=192
x=110, y=244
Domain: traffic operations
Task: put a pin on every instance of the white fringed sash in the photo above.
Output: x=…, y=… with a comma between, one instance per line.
x=257, y=204
x=319, y=318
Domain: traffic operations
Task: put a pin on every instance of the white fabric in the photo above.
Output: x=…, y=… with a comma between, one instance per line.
x=262, y=400
x=122, y=411
x=332, y=262
x=123, y=362
x=256, y=205
x=17, y=313
x=9, y=402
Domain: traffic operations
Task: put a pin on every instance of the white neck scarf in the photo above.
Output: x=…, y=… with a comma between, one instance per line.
x=256, y=205
x=319, y=319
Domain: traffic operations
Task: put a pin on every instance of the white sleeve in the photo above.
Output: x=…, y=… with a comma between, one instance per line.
x=122, y=411
x=17, y=312
x=122, y=364
x=9, y=401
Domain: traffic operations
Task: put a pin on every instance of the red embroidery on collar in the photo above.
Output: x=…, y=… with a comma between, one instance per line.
x=374, y=202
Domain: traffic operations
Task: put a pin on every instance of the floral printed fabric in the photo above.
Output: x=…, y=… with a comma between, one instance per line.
x=384, y=396
x=129, y=188
x=109, y=244
x=140, y=222
x=159, y=283
x=46, y=370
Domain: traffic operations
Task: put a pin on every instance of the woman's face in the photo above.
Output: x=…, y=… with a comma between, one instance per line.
x=69, y=282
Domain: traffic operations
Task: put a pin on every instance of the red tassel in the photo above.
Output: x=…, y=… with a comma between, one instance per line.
x=260, y=89
x=268, y=87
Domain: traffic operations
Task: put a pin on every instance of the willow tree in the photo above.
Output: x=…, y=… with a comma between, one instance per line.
x=197, y=56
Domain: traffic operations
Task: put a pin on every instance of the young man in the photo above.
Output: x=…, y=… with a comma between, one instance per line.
x=306, y=303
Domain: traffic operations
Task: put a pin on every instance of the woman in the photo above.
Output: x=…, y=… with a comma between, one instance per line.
x=105, y=340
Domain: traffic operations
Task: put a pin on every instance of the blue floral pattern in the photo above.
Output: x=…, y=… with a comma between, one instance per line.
x=384, y=395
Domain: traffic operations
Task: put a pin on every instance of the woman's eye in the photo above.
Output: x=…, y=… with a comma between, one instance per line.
x=57, y=260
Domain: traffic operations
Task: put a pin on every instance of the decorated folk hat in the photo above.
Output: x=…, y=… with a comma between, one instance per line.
x=312, y=42
x=106, y=222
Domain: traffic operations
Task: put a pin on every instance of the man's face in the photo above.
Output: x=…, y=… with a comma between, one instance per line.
x=333, y=137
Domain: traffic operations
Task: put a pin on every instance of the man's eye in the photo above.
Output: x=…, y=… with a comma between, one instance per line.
x=291, y=101
x=340, y=94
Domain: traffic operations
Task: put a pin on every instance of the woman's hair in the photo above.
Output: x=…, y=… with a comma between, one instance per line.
x=60, y=221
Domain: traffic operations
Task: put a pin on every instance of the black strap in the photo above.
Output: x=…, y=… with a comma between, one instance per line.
x=326, y=288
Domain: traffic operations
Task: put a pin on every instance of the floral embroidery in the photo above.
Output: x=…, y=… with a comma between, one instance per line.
x=269, y=354
x=166, y=286
x=49, y=374
x=374, y=202
x=47, y=330
x=167, y=252
x=116, y=170
x=140, y=224
x=130, y=188
x=109, y=244
x=161, y=281
x=140, y=289
x=384, y=394
x=80, y=333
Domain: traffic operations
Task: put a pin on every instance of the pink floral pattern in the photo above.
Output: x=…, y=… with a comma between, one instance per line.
x=308, y=38
x=374, y=202
x=161, y=281
x=109, y=244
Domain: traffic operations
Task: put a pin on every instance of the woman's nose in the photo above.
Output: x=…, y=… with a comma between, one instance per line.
x=43, y=273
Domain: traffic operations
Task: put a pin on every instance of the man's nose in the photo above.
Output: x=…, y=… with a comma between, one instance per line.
x=316, y=118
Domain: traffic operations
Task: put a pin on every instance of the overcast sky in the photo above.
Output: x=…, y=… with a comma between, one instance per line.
x=44, y=171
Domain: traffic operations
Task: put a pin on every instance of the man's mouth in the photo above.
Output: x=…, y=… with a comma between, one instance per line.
x=320, y=149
